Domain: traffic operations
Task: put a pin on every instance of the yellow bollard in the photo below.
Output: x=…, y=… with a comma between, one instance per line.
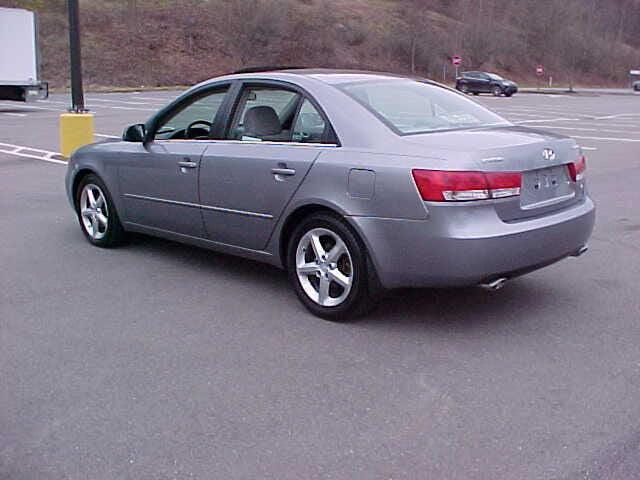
x=76, y=130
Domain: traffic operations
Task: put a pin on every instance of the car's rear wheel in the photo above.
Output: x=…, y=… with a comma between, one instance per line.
x=328, y=268
x=97, y=214
x=497, y=91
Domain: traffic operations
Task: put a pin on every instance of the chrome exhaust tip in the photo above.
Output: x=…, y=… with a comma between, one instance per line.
x=581, y=251
x=496, y=284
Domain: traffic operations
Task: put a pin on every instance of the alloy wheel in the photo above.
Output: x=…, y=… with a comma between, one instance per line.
x=324, y=267
x=94, y=211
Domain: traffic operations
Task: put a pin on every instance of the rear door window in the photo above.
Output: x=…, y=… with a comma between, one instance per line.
x=264, y=113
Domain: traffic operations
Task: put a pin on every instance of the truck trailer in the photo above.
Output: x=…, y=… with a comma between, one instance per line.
x=19, y=57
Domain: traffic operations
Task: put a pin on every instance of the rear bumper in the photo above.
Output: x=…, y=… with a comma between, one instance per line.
x=24, y=93
x=462, y=246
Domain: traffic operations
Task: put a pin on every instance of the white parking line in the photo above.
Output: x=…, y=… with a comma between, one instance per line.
x=129, y=108
x=46, y=155
x=581, y=129
x=151, y=99
x=126, y=102
x=53, y=101
x=608, y=117
x=518, y=114
x=14, y=114
x=551, y=120
x=610, y=139
x=28, y=107
x=104, y=135
x=616, y=125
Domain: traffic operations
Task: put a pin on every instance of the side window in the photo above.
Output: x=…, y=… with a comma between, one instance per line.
x=264, y=114
x=310, y=125
x=193, y=120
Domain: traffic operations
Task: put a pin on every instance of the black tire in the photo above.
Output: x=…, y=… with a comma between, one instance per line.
x=476, y=93
x=363, y=281
x=464, y=89
x=508, y=94
x=496, y=90
x=114, y=234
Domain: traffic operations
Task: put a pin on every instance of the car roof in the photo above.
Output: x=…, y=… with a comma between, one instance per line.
x=325, y=75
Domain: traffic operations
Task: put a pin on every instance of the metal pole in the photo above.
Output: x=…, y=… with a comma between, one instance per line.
x=77, y=95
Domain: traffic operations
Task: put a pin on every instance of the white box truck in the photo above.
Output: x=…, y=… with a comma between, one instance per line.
x=19, y=56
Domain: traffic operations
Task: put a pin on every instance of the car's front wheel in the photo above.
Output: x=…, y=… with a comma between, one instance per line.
x=97, y=214
x=497, y=91
x=327, y=266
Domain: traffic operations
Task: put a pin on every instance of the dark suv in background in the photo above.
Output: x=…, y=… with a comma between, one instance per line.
x=483, y=82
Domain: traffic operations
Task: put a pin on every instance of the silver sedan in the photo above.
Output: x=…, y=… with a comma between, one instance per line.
x=353, y=182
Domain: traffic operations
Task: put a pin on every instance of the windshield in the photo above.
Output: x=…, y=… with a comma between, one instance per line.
x=411, y=107
x=493, y=76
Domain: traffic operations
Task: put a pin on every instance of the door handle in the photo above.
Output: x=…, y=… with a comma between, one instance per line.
x=283, y=171
x=187, y=164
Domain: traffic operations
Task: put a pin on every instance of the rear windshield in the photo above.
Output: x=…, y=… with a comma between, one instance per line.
x=412, y=107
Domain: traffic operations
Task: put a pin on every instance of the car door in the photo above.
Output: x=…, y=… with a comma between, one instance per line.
x=484, y=83
x=159, y=183
x=471, y=81
x=247, y=179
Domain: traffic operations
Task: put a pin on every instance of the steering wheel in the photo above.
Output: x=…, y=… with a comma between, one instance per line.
x=187, y=132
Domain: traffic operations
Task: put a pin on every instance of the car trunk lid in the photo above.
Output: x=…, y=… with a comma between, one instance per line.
x=541, y=157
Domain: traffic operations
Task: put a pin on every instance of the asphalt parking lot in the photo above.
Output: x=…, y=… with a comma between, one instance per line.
x=159, y=361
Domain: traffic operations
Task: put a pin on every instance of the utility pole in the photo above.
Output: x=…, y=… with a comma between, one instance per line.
x=77, y=94
x=76, y=126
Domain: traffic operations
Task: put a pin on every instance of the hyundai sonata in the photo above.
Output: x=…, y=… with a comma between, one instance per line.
x=351, y=181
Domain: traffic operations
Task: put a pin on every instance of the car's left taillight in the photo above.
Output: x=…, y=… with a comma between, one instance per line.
x=456, y=186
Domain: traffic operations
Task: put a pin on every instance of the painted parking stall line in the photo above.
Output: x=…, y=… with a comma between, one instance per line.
x=609, y=139
x=582, y=129
x=34, y=153
x=26, y=107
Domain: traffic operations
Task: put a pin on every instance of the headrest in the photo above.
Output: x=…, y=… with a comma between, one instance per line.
x=261, y=121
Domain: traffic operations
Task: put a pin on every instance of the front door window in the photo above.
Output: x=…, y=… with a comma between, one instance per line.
x=194, y=120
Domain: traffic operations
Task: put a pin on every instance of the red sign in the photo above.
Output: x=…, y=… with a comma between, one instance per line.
x=456, y=60
x=539, y=70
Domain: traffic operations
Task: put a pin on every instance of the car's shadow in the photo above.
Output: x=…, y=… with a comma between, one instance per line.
x=450, y=308
x=460, y=308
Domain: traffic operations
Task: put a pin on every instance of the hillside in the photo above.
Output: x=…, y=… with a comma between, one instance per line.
x=154, y=43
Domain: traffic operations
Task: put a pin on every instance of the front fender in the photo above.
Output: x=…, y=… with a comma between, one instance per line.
x=93, y=159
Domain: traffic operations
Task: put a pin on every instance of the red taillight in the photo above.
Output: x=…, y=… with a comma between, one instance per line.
x=577, y=169
x=442, y=186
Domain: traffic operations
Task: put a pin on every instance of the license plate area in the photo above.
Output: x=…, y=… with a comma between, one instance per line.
x=545, y=186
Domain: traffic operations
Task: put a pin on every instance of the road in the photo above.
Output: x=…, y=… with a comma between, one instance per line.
x=161, y=361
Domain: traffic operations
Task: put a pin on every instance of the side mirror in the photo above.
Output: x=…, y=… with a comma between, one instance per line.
x=135, y=133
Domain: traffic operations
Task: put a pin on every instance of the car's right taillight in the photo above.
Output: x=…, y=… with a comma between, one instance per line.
x=578, y=168
x=452, y=186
